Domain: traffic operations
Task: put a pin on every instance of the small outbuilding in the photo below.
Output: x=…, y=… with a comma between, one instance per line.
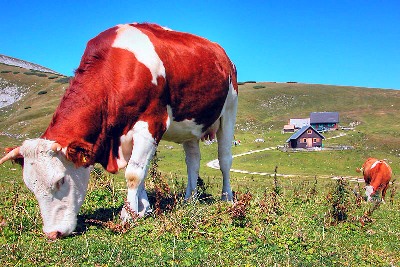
x=289, y=128
x=306, y=137
x=299, y=123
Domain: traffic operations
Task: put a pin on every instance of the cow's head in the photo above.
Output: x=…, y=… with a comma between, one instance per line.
x=59, y=184
x=369, y=190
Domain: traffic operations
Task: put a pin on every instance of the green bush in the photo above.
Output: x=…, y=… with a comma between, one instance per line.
x=64, y=80
x=37, y=73
x=29, y=73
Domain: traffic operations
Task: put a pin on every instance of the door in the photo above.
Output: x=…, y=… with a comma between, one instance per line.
x=309, y=142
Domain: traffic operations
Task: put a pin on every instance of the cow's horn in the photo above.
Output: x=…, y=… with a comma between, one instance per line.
x=13, y=154
x=56, y=147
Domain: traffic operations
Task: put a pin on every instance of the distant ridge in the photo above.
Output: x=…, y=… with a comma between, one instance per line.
x=24, y=64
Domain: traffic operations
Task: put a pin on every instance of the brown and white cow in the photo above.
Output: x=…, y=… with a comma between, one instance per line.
x=136, y=84
x=377, y=175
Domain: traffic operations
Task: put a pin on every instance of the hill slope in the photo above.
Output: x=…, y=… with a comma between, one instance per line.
x=28, y=98
x=263, y=107
x=24, y=64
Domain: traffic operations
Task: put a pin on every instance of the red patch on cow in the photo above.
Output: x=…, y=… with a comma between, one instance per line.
x=112, y=90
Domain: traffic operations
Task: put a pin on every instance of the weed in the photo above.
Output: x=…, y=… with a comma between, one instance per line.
x=165, y=199
x=277, y=187
x=339, y=201
x=357, y=193
x=240, y=208
x=393, y=192
x=270, y=208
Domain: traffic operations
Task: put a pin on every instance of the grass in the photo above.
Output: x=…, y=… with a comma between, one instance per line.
x=290, y=221
x=203, y=232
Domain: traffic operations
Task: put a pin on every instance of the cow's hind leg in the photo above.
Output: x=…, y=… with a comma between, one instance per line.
x=225, y=138
x=384, y=192
x=192, y=152
x=144, y=147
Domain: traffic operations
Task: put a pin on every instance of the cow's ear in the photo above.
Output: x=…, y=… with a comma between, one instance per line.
x=80, y=154
x=16, y=157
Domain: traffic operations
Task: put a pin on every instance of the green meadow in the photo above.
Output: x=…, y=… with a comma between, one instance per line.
x=298, y=217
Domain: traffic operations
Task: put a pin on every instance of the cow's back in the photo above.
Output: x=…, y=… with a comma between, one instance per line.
x=376, y=171
x=198, y=73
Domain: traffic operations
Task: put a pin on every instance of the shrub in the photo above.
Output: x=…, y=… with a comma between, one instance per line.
x=29, y=73
x=5, y=71
x=42, y=92
x=339, y=200
x=63, y=80
x=258, y=86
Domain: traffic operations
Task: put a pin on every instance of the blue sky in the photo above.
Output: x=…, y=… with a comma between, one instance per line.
x=338, y=42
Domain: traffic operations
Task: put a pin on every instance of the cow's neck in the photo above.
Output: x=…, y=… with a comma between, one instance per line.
x=85, y=120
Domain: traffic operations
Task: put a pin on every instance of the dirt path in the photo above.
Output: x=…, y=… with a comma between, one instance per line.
x=214, y=164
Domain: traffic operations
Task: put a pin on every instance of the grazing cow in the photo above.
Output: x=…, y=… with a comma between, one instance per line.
x=136, y=84
x=377, y=174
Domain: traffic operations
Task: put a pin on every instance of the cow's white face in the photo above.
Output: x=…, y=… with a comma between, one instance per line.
x=58, y=185
x=369, y=189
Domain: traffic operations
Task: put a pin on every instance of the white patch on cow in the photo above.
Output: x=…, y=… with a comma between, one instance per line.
x=125, y=149
x=181, y=131
x=132, y=39
x=58, y=185
x=167, y=29
x=375, y=163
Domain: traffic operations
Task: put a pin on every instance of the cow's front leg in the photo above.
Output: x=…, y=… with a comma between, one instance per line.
x=144, y=146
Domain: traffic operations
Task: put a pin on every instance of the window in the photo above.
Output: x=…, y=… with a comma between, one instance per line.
x=309, y=132
x=304, y=140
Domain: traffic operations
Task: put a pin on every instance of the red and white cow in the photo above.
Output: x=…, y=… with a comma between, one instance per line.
x=377, y=175
x=136, y=84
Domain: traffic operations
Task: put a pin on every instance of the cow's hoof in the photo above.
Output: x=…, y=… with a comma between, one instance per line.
x=128, y=214
x=227, y=197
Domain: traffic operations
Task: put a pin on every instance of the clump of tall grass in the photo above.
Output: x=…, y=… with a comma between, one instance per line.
x=339, y=200
x=393, y=192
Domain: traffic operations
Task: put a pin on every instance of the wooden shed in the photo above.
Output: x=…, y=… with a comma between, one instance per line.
x=306, y=137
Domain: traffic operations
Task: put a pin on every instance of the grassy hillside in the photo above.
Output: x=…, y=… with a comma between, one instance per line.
x=29, y=117
x=290, y=221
